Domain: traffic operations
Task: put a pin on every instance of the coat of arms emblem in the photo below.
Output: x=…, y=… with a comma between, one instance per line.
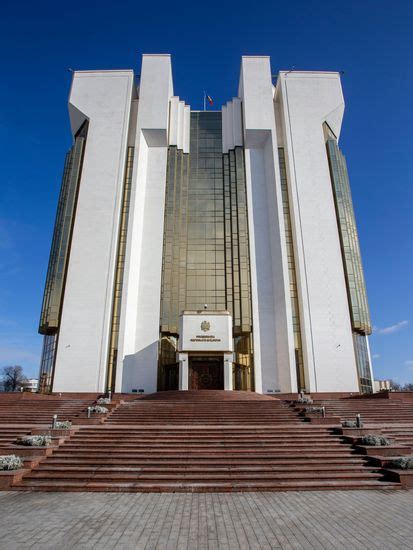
x=205, y=326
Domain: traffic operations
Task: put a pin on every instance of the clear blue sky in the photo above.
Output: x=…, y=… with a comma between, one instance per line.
x=371, y=41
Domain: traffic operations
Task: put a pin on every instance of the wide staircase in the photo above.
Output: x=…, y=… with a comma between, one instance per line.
x=26, y=409
x=373, y=410
x=9, y=434
x=203, y=407
x=203, y=441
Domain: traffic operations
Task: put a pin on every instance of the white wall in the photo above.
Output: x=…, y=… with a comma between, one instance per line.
x=139, y=328
x=104, y=98
x=304, y=100
x=273, y=338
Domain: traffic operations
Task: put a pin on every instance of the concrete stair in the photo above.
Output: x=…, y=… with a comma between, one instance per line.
x=16, y=409
x=203, y=408
x=211, y=441
x=373, y=410
x=9, y=434
x=402, y=434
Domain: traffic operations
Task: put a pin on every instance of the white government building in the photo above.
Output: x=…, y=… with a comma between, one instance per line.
x=205, y=249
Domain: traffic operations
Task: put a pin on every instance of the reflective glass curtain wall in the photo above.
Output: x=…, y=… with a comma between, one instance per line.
x=119, y=271
x=356, y=288
x=295, y=309
x=206, y=250
x=59, y=257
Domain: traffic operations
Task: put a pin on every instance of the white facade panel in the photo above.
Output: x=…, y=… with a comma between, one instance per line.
x=104, y=98
x=139, y=329
x=272, y=326
x=308, y=100
x=262, y=119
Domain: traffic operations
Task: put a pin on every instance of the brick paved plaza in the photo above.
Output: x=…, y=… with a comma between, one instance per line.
x=339, y=519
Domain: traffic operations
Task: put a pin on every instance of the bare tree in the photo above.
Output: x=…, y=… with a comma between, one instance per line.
x=395, y=386
x=13, y=377
x=408, y=387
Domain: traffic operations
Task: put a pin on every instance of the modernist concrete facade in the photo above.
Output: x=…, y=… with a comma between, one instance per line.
x=243, y=213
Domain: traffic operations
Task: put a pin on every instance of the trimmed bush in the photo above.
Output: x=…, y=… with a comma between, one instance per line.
x=103, y=401
x=349, y=424
x=375, y=440
x=10, y=462
x=403, y=463
x=314, y=409
x=64, y=425
x=34, y=440
x=98, y=409
x=305, y=400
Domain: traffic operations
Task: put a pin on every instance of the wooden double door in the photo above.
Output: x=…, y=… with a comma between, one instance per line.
x=206, y=373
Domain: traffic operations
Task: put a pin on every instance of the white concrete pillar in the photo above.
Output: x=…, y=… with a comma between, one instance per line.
x=228, y=359
x=183, y=371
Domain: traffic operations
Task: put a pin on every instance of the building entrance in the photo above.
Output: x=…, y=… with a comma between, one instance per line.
x=206, y=373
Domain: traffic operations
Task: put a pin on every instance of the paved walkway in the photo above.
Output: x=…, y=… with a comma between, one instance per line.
x=339, y=519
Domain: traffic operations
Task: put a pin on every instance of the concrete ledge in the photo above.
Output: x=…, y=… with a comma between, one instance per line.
x=32, y=461
x=358, y=432
x=84, y=421
x=21, y=450
x=385, y=450
x=54, y=432
x=8, y=477
x=405, y=477
x=330, y=420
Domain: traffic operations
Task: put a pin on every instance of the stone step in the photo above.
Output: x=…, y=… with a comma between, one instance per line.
x=208, y=441
x=225, y=486
x=165, y=462
x=198, y=477
x=167, y=454
x=52, y=469
x=136, y=445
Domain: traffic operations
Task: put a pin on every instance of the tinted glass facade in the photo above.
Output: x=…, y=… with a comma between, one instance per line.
x=363, y=362
x=295, y=308
x=119, y=271
x=206, y=250
x=349, y=239
x=59, y=258
x=60, y=249
x=353, y=269
x=47, y=363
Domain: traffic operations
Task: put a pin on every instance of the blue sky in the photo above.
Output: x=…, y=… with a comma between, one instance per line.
x=371, y=41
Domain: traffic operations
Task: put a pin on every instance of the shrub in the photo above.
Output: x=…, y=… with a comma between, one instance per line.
x=403, y=463
x=104, y=401
x=314, y=409
x=64, y=425
x=34, y=440
x=10, y=462
x=98, y=409
x=375, y=440
x=349, y=424
x=306, y=400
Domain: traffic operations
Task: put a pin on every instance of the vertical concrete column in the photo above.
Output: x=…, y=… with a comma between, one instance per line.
x=228, y=359
x=274, y=358
x=183, y=371
x=104, y=98
x=141, y=294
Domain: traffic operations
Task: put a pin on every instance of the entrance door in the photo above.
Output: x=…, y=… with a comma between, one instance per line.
x=206, y=374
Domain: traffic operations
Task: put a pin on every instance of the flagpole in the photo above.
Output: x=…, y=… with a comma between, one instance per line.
x=204, y=100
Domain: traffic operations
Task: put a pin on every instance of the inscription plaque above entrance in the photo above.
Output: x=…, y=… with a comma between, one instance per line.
x=209, y=331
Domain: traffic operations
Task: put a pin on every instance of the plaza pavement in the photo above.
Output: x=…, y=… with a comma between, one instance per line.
x=322, y=520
